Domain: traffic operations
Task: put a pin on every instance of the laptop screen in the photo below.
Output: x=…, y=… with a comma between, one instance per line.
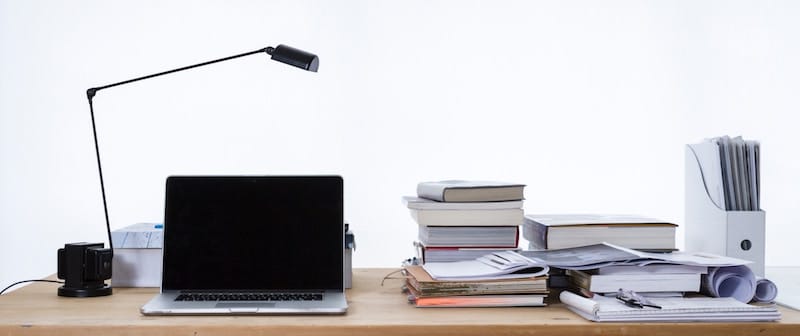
x=253, y=233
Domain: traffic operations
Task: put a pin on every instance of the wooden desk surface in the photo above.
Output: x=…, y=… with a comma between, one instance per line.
x=374, y=310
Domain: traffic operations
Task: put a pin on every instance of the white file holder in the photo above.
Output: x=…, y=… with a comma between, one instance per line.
x=709, y=228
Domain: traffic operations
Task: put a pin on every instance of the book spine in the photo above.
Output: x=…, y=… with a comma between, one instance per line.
x=473, y=217
x=580, y=280
x=431, y=191
x=536, y=233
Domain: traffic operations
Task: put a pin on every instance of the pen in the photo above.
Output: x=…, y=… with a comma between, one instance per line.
x=634, y=300
x=637, y=304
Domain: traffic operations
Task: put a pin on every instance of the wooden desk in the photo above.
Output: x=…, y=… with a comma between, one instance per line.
x=374, y=310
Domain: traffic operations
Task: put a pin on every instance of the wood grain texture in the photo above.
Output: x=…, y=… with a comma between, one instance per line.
x=374, y=310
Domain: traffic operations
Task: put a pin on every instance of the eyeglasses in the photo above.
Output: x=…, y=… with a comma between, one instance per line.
x=632, y=299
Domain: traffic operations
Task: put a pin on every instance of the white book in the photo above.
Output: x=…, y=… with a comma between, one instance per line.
x=636, y=282
x=419, y=203
x=470, y=191
x=469, y=236
x=490, y=217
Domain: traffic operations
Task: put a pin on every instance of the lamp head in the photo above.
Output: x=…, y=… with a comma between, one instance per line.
x=296, y=57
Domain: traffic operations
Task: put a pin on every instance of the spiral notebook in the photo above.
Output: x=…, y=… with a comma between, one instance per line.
x=673, y=309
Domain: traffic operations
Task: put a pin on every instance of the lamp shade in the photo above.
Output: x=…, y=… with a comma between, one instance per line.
x=296, y=57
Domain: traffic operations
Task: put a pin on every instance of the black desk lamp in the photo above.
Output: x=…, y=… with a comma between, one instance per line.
x=85, y=266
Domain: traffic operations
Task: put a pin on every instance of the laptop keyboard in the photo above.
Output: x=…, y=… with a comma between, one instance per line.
x=249, y=297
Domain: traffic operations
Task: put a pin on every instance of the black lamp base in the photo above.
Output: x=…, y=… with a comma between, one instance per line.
x=85, y=292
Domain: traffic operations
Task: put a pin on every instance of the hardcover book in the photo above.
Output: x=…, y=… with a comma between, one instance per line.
x=447, y=254
x=469, y=236
x=420, y=203
x=491, y=217
x=571, y=230
x=470, y=191
x=656, y=282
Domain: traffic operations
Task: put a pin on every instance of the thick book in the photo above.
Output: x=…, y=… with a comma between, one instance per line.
x=673, y=309
x=490, y=217
x=420, y=203
x=470, y=191
x=469, y=236
x=574, y=230
x=448, y=254
x=425, y=286
x=655, y=282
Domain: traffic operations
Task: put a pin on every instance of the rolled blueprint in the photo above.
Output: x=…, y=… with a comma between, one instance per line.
x=737, y=282
x=766, y=290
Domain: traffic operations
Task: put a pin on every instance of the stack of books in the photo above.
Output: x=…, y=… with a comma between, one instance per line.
x=462, y=220
x=504, y=279
x=564, y=231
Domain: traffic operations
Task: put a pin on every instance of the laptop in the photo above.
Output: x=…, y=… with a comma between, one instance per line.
x=252, y=245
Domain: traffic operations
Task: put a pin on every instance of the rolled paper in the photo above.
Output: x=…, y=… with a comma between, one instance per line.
x=737, y=282
x=766, y=290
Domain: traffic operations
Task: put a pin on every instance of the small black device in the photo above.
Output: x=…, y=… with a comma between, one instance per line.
x=84, y=268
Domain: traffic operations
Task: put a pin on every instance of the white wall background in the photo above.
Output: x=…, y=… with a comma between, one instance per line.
x=589, y=103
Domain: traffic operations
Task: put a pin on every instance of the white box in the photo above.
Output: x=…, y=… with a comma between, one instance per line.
x=709, y=228
x=137, y=255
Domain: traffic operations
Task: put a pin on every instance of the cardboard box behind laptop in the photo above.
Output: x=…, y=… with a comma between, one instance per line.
x=137, y=256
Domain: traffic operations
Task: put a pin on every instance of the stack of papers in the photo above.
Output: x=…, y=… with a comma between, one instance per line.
x=675, y=309
x=424, y=291
x=731, y=173
x=498, y=265
x=727, y=276
x=602, y=255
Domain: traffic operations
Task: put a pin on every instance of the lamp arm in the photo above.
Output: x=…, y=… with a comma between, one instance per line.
x=90, y=93
x=100, y=171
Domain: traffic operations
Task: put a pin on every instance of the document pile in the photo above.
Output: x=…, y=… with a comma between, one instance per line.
x=731, y=171
x=501, y=279
x=663, y=278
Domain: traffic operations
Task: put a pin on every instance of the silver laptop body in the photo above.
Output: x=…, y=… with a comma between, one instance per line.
x=252, y=245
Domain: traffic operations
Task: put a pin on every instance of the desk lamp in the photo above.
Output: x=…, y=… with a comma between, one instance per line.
x=85, y=266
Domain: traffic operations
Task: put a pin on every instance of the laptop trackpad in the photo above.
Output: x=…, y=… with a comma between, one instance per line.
x=245, y=305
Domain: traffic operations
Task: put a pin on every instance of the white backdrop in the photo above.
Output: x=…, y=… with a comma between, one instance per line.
x=589, y=103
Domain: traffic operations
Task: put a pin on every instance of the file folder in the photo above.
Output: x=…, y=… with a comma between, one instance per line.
x=710, y=228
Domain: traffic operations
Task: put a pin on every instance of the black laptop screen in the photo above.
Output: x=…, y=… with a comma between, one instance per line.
x=244, y=232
